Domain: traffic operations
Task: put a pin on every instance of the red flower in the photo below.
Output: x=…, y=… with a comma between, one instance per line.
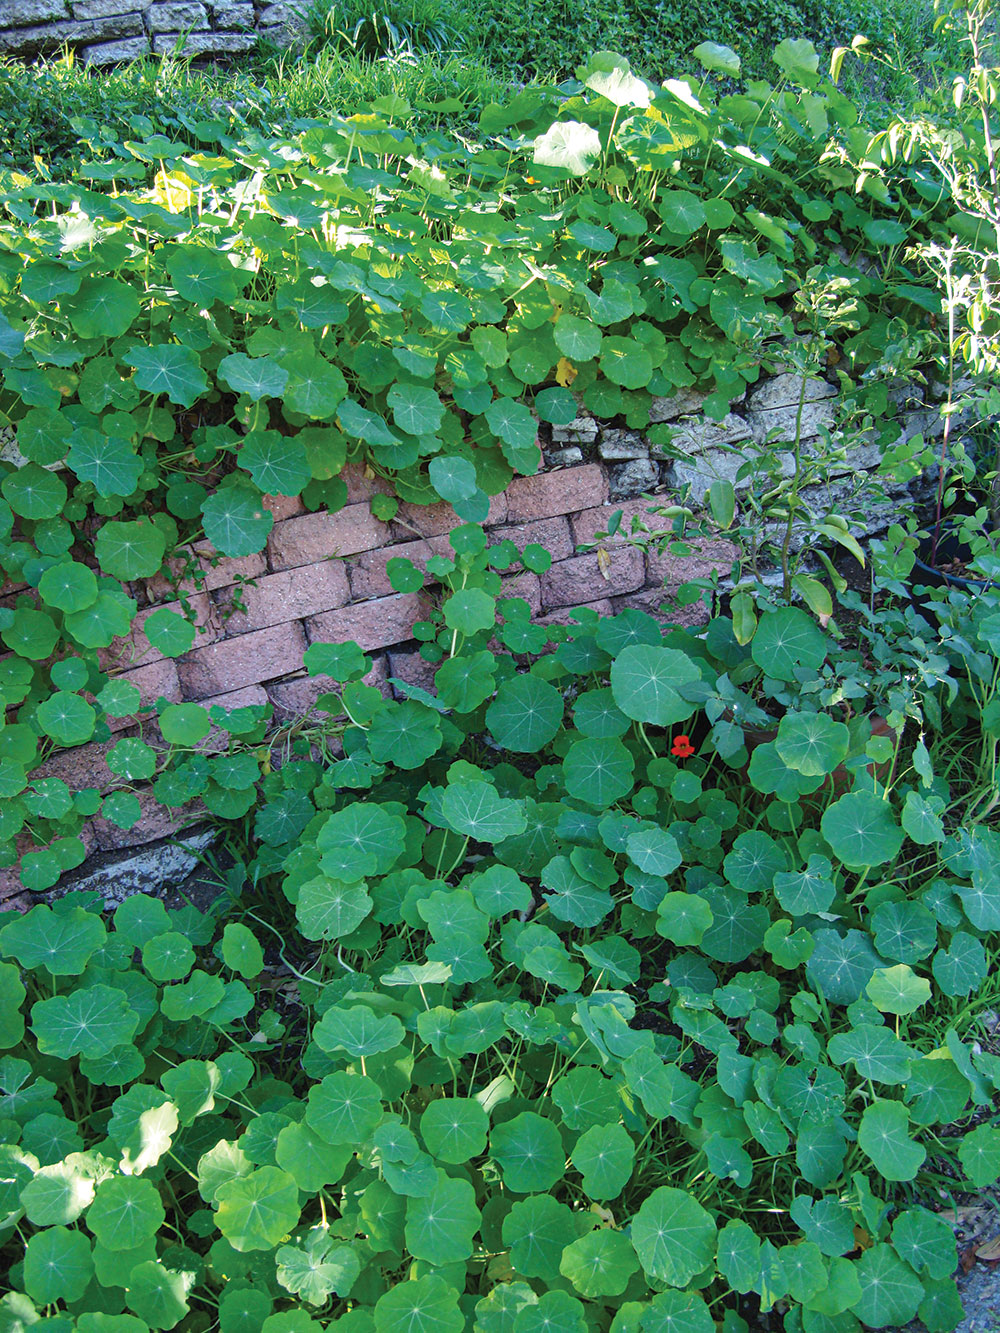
x=682, y=747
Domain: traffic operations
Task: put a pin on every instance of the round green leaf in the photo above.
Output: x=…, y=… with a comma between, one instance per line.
x=529, y=1152
x=58, y=1265
x=644, y=682
x=884, y=1136
x=420, y=1305
x=170, y=369
x=673, y=1236
x=785, y=640
x=525, y=715
x=440, y=1226
x=862, y=830
x=454, y=1129
x=125, y=1212
x=67, y=718
x=130, y=550
x=599, y=1263
x=68, y=586
x=599, y=770
x=255, y=1211
x=33, y=492
x=236, y=522
x=344, y=1108
x=605, y=1156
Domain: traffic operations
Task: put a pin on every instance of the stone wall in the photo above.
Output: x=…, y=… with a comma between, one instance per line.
x=322, y=577
x=106, y=32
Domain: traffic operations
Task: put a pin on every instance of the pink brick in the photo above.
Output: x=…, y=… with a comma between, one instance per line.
x=297, y=696
x=590, y=522
x=135, y=650
x=250, y=659
x=367, y=571
x=248, y=697
x=157, y=680
x=564, y=614
x=362, y=485
x=81, y=767
x=229, y=569
x=436, y=520
x=525, y=585
x=551, y=533
x=707, y=556
x=550, y=493
x=209, y=575
x=13, y=896
x=291, y=594
x=284, y=506
x=315, y=537
x=656, y=602
x=412, y=668
x=156, y=821
x=375, y=624
x=581, y=579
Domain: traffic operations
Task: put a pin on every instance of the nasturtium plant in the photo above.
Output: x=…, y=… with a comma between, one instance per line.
x=597, y=990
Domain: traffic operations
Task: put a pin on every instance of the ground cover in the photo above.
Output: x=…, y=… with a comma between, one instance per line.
x=637, y=985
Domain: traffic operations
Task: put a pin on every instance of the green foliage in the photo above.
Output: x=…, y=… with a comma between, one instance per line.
x=411, y=1071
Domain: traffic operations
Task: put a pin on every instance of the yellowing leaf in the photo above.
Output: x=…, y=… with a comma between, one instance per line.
x=566, y=372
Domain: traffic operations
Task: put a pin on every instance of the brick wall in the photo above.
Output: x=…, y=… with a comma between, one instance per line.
x=322, y=576
x=106, y=32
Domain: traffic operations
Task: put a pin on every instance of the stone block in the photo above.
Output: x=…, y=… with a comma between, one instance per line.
x=617, y=446
x=115, y=53
x=779, y=424
x=52, y=36
x=298, y=695
x=154, y=870
x=581, y=430
x=786, y=391
x=551, y=533
x=283, y=506
x=135, y=649
x=23, y=13
x=176, y=16
x=155, y=681
x=699, y=436
x=590, y=522
x=701, y=470
x=568, y=457
x=102, y=9
x=525, y=586
x=656, y=603
x=233, y=16
x=367, y=571
x=683, y=403
x=413, y=669
x=626, y=480
x=670, y=571
x=436, y=520
x=156, y=821
x=206, y=43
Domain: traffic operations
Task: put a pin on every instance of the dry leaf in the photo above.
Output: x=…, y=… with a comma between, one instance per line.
x=967, y=1259
x=604, y=562
x=990, y=1252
